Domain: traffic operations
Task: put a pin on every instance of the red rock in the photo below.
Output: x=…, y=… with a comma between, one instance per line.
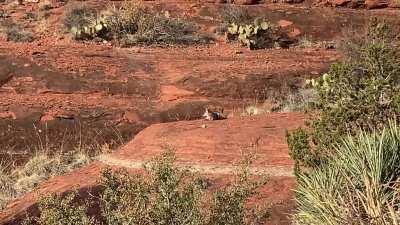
x=6, y=115
x=394, y=4
x=340, y=2
x=46, y=118
x=285, y=23
x=220, y=143
x=376, y=4
x=294, y=33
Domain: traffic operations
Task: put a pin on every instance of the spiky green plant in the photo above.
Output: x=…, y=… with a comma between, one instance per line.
x=362, y=91
x=359, y=186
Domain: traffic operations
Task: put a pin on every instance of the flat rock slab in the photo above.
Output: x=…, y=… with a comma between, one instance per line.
x=215, y=145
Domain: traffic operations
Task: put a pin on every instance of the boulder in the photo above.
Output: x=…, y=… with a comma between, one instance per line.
x=376, y=4
x=338, y=3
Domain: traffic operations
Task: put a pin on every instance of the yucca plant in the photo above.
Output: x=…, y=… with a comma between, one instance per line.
x=358, y=186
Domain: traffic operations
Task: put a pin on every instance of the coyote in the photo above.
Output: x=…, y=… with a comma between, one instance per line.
x=213, y=115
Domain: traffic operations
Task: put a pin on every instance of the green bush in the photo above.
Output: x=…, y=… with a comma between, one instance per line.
x=359, y=92
x=164, y=194
x=359, y=186
x=63, y=210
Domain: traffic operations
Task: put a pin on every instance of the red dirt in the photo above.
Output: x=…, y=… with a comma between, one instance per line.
x=55, y=84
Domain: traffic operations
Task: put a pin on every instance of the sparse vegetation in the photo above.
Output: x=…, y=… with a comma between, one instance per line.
x=39, y=168
x=18, y=34
x=300, y=100
x=257, y=35
x=354, y=181
x=235, y=14
x=360, y=92
x=297, y=101
x=164, y=194
x=130, y=24
x=307, y=42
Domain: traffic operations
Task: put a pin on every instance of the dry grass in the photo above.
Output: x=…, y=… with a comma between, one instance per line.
x=297, y=101
x=39, y=168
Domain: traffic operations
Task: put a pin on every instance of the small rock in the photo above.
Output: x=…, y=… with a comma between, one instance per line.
x=294, y=33
x=376, y=4
x=337, y=3
x=46, y=118
x=285, y=23
x=6, y=115
x=203, y=126
x=27, y=65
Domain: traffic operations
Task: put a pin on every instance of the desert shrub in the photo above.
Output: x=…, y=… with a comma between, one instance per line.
x=235, y=14
x=130, y=24
x=17, y=34
x=65, y=210
x=138, y=25
x=358, y=186
x=164, y=194
x=7, y=191
x=359, y=92
x=78, y=16
x=171, y=195
x=229, y=203
x=299, y=100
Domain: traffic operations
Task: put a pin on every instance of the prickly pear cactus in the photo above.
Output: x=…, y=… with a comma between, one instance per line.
x=97, y=27
x=258, y=35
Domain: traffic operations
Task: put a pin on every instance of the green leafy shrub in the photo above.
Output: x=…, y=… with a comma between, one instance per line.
x=359, y=186
x=229, y=204
x=65, y=210
x=164, y=194
x=359, y=92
